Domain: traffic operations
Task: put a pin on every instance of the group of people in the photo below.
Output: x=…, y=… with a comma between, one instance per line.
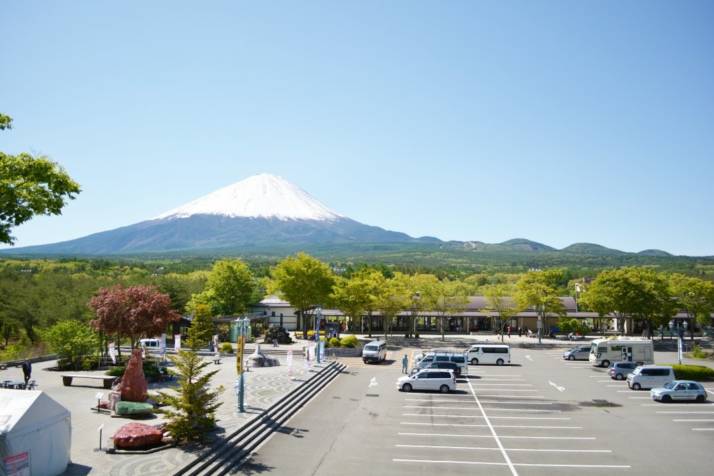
x=521, y=331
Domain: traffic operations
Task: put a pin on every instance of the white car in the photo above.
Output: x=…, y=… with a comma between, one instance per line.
x=438, y=380
x=679, y=390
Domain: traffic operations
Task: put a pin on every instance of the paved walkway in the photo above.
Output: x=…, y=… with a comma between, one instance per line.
x=264, y=386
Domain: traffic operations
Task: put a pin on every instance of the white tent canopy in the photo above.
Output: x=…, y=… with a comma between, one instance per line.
x=35, y=434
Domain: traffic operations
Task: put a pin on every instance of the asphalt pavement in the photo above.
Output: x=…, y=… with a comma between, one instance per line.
x=540, y=416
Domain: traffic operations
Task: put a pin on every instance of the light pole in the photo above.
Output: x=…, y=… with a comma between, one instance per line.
x=240, y=367
x=415, y=306
x=539, y=324
x=680, y=340
x=318, y=318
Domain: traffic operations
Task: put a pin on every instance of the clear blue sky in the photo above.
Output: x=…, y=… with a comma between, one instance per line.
x=556, y=121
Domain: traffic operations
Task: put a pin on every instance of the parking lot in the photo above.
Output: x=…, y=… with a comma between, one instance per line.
x=542, y=415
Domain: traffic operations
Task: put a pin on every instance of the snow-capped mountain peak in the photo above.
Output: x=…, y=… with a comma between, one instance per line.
x=259, y=196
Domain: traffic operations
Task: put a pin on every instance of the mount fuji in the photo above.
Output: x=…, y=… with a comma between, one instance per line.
x=262, y=212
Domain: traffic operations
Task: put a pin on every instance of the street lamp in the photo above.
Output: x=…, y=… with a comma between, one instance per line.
x=318, y=318
x=680, y=334
x=242, y=328
x=415, y=306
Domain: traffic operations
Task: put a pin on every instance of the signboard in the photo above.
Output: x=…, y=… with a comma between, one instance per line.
x=239, y=354
x=321, y=350
x=17, y=465
x=680, y=350
x=177, y=342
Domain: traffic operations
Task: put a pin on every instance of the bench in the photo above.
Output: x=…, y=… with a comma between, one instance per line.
x=107, y=380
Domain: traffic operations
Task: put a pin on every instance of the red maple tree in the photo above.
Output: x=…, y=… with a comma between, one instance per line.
x=133, y=311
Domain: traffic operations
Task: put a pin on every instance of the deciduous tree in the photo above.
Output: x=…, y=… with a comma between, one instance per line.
x=133, y=312
x=30, y=186
x=303, y=281
x=539, y=290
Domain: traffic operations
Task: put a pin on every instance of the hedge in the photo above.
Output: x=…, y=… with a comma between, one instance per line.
x=693, y=372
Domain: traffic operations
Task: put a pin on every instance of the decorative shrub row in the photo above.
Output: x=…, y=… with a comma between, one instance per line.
x=693, y=372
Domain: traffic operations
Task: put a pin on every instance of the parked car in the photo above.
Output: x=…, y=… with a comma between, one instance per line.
x=453, y=366
x=498, y=354
x=375, y=351
x=620, y=370
x=582, y=352
x=650, y=376
x=679, y=390
x=428, y=379
x=150, y=343
x=459, y=358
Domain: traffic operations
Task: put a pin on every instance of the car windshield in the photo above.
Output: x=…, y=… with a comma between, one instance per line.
x=370, y=347
x=669, y=385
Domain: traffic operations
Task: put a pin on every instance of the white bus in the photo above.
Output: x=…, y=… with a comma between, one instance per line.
x=603, y=352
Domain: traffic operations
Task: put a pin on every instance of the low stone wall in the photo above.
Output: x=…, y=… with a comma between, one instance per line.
x=343, y=351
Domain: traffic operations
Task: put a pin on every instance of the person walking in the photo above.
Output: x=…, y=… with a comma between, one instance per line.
x=405, y=364
x=26, y=371
x=509, y=332
x=520, y=332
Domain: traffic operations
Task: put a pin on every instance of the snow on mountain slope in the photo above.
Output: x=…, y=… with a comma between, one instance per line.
x=259, y=196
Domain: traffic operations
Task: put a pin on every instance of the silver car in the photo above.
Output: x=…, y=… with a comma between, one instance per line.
x=685, y=390
x=577, y=353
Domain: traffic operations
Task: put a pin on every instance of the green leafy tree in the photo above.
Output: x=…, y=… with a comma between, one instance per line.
x=539, y=290
x=30, y=186
x=636, y=293
x=72, y=341
x=451, y=298
x=498, y=297
x=694, y=296
x=394, y=297
x=351, y=296
x=304, y=282
x=202, y=329
x=424, y=291
x=233, y=286
x=191, y=410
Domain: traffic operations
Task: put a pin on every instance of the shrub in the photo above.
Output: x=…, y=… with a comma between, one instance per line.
x=227, y=348
x=151, y=371
x=72, y=341
x=311, y=334
x=349, y=341
x=333, y=342
x=698, y=352
x=693, y=372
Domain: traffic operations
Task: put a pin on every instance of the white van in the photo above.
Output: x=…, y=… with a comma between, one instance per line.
x=603, y=352
x=150, y=343
x=375, y=351
x=458, y=358
x=498, y=354
x=650, y=376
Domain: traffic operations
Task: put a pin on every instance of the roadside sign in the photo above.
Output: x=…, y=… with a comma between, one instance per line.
x=239, y=354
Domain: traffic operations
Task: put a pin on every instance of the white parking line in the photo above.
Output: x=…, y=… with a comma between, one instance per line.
x=515, y=390
x=698, y=420
x=442, y=408
x=487, y=448
x=431, y=415
x=640, y=398
x=493, y=433
x=464, y=425
x=516, y=402
x=510, y=396
x=684, y=413
x=499, y=375
x=510, y=437
x=660, y=405
x=532, y=465
x=499, y=380
x=700, y=429
x=478, y=384
x=523, y=410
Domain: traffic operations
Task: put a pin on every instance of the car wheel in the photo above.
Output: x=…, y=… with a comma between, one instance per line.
x=637, y=386
x=666, y=398
x=619, y=377
x=474, y=361
x=444, y=389
x=364, y=360
x=499, y=362
x=606, y=363
x=570, y=357
x=406, y=387
x=701, y=398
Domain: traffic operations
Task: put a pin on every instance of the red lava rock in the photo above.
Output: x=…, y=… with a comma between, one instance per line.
x=133, y=386
x=137, y=435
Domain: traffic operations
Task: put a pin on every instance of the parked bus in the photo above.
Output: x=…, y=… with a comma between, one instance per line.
x=603, y=352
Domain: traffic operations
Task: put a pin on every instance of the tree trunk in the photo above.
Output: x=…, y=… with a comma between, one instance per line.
x=441, y=327
x=369, y=323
